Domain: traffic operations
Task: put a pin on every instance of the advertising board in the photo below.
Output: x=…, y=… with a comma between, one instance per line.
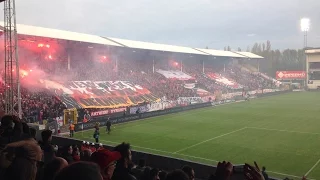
x=290, y=75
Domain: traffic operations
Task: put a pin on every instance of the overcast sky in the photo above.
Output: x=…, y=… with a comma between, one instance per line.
x=194, y=23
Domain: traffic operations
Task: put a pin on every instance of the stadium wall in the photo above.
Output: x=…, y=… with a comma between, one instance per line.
x=128, y=118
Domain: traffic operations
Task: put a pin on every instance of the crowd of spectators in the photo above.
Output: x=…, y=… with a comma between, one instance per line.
x=23, y=158
x=249, y=80
x=37, y=105
x=42, y=105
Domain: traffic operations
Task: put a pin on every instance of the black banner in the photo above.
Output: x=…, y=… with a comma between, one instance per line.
x=116, y=120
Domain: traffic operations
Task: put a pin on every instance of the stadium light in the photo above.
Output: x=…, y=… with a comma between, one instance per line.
x=305, y=24
x=305, y=27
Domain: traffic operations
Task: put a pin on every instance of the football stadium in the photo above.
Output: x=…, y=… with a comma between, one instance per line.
x=273, y=131
x=110, y=108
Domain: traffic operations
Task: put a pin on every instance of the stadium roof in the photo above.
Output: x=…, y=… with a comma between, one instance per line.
x=81, y=37
x=312, y=51
x=156, y=47
x=60, y=34
x=220, y=53
x=250, y=55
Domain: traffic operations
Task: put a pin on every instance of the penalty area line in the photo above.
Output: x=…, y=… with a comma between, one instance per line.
x=183, y=149
x=312, y=168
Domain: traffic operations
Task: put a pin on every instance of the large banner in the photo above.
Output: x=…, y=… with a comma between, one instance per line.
x=100, y=94
x=224, y=81
x=139, y=109
x=174, y=75
x=108, y=111
x=290, y=75
x=189, y=100
x=277, y=83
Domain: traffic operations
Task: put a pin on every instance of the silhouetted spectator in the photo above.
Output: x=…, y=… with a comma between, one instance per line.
x=6, y=129
x=106, y=161
x=177, y=175
x=53, y=167
x=85, y=155
x=264, y=173
x=138, y=171
x=224, y=171
x=27, y=154
x=67, y=154
x=154, y=174
x=122, y=171
x=33, y=133
x=146, y=174
x=45, y=144
x=75, y=153
x=189, y=171
x=163, y=175
x=80, y=171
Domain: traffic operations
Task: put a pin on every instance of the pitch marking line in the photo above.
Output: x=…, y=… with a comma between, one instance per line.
x=314, y=166
x=206, y=159
x=279, y=130
x=183, y=149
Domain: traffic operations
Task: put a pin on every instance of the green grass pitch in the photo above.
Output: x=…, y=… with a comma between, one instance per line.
x=280, y=132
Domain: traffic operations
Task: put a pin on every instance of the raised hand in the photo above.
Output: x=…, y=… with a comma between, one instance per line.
x=253, y=173
x=224, y=170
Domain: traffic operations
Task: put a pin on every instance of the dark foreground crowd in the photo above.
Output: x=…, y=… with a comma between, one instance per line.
x=23, y=158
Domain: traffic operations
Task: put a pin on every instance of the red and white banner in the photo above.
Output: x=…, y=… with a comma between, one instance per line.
x=190, y=85
x=290, y=75
x=108, y=111
x=224, y=81
x=174, y=75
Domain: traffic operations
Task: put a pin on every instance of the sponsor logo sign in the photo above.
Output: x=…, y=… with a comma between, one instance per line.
x=108, y=111
x=288, y=75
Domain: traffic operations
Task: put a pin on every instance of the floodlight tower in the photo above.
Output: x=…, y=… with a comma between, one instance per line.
x=11, y=61
x=305, y=26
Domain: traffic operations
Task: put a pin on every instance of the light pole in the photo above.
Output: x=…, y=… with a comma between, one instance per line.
x=305, y=26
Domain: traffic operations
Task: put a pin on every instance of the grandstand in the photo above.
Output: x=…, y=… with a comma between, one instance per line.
x=85, y=59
